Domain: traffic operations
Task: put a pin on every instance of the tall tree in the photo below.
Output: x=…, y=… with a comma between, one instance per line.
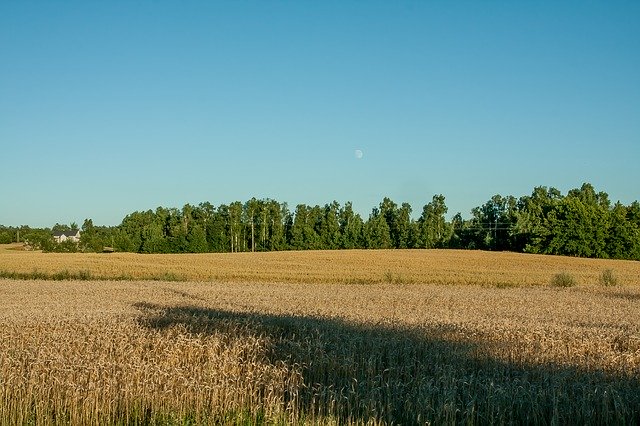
x=196, y=239
x=389, y=212
x=493, y=221
x=301, y=228
x=153, y=239
x=403, y=229
x=89, y=240
x=377, y=234
x=235, y=225
x=579, y=224
x=251, y=211
x=350, y=227
x=623, y=238
x=218, y=230
x=432, y=225
x=531, y=230
x=330, y=227
x=278, y=215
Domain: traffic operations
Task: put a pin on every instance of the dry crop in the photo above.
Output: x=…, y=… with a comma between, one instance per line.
x=141, y=352
x=349, y=267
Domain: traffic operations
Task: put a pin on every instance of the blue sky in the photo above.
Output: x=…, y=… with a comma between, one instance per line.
x=115, y=106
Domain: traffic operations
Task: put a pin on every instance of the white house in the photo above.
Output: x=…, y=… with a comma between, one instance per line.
x=61, y=236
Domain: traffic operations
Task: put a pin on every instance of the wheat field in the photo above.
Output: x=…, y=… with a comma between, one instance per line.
x=345, y=266
x=241, y=351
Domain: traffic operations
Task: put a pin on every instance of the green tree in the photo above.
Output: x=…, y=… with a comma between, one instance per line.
x=6, y=235
x=39, y=239
x=133, y=226
x=389, y=212
x=251, y=212
x=304, y=231
x=297, y=233
x=376, y=231
x=403, y=228
x=235, y=226
x=58, y=227
x=197, y=240
x=330, y=227
x=460, y=236
x=89, y=238
x=153, y=239
x=579, y=224
x=623, y=238
x=493, y=222
x=633, y=213
x=351, y=227
x=433, y=230
x=531, y=229
x=214, y=223
x=313, y=229
x=277, y=215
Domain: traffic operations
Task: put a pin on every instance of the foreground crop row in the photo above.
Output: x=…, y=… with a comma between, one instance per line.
x=172, y=352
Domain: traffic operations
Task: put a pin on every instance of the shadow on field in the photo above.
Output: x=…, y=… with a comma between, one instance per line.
x=395, y=374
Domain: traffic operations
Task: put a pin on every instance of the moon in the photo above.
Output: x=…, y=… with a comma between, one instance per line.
x=358, y=154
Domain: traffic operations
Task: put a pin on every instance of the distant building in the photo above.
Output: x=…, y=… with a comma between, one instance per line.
x=61, y=236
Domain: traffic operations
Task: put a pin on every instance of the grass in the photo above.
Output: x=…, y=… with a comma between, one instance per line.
x=563, y=279
x=608, y=278
x=82, y=275
x=165, y=352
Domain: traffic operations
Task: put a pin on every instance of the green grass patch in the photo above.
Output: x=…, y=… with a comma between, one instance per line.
x=563, y=279
x=395, y=278
x=608, y=278
x=84, y=275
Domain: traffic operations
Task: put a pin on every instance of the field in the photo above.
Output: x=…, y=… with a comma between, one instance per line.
x=322, y=267
x=409, y=337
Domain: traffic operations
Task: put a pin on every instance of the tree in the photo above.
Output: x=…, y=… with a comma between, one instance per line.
x=388, y=210
x=633, y=213
x=313, y=228
x=460, y=237
x=623, y=238
x=403, y=237
x=60, y=228
x=277, y=216
x=89, y=239
x=123, y=242
x=432, y=225
x=263, y=224
x=493, y=221
x=40, y=239
x=351, y=226
x=578, y=226
x=197, y=240
x=531, y=228
x=153, y=239
x=235, y=225
x=297, y=233
x=330, y=227
x=6, y=235
x=251, y=210
x=214, y=223
x=376, y=231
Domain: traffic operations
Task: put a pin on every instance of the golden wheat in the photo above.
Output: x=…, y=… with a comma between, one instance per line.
x=349, y=266
x=96, y=352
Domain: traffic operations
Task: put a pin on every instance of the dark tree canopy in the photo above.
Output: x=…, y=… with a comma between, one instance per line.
x=581, y=223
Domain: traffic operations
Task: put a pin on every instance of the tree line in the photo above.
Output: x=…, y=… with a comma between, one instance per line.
x=581, y=223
